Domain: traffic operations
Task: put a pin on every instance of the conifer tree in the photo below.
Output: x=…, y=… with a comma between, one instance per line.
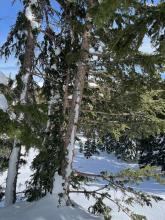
x=119, y=73
x=22, y=40
x=92, y=62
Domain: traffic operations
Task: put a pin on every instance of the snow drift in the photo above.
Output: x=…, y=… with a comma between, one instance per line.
x=44, y=209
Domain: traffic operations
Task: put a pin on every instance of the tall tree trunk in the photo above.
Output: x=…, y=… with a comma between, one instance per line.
x=25, y=96
x=61, y=178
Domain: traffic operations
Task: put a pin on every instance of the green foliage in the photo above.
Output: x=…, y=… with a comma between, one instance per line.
x=5, y=121
x=5, y=146
x=73, y=57
x=129, y=98
x=100, y=208
x=108, y=8
x=33, y=112
x=17, y=38
x=138, y=217
x=152, y=151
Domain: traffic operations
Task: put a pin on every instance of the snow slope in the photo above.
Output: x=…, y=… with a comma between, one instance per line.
x=101, y=162
x=46, y=208
x=156, y=212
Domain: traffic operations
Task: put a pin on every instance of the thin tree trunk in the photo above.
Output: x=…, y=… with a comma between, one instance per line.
x=66, y=93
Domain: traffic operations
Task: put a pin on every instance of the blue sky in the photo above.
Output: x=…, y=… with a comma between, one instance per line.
x=8, y=15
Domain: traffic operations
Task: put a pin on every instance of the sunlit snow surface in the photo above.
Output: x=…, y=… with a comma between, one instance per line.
x=45, y=209
x=31, y=16
x=98, y=163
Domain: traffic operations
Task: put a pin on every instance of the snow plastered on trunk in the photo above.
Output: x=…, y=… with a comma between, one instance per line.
x=73, y=120
x=70, y=147
x=15, y=154
x=61, y=184
x=54, y=67
x=27, y=66
x=3, y=79
x=58, y=185
x=12, y=173
x=30, y=15
x=25, y=79
x=53, y=100
x=93, y=85
x=57, y=51
x=3, y=103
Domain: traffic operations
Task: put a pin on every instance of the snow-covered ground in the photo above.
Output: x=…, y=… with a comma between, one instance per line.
x=46, y=208
x=106, y=162
x=101, y=162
